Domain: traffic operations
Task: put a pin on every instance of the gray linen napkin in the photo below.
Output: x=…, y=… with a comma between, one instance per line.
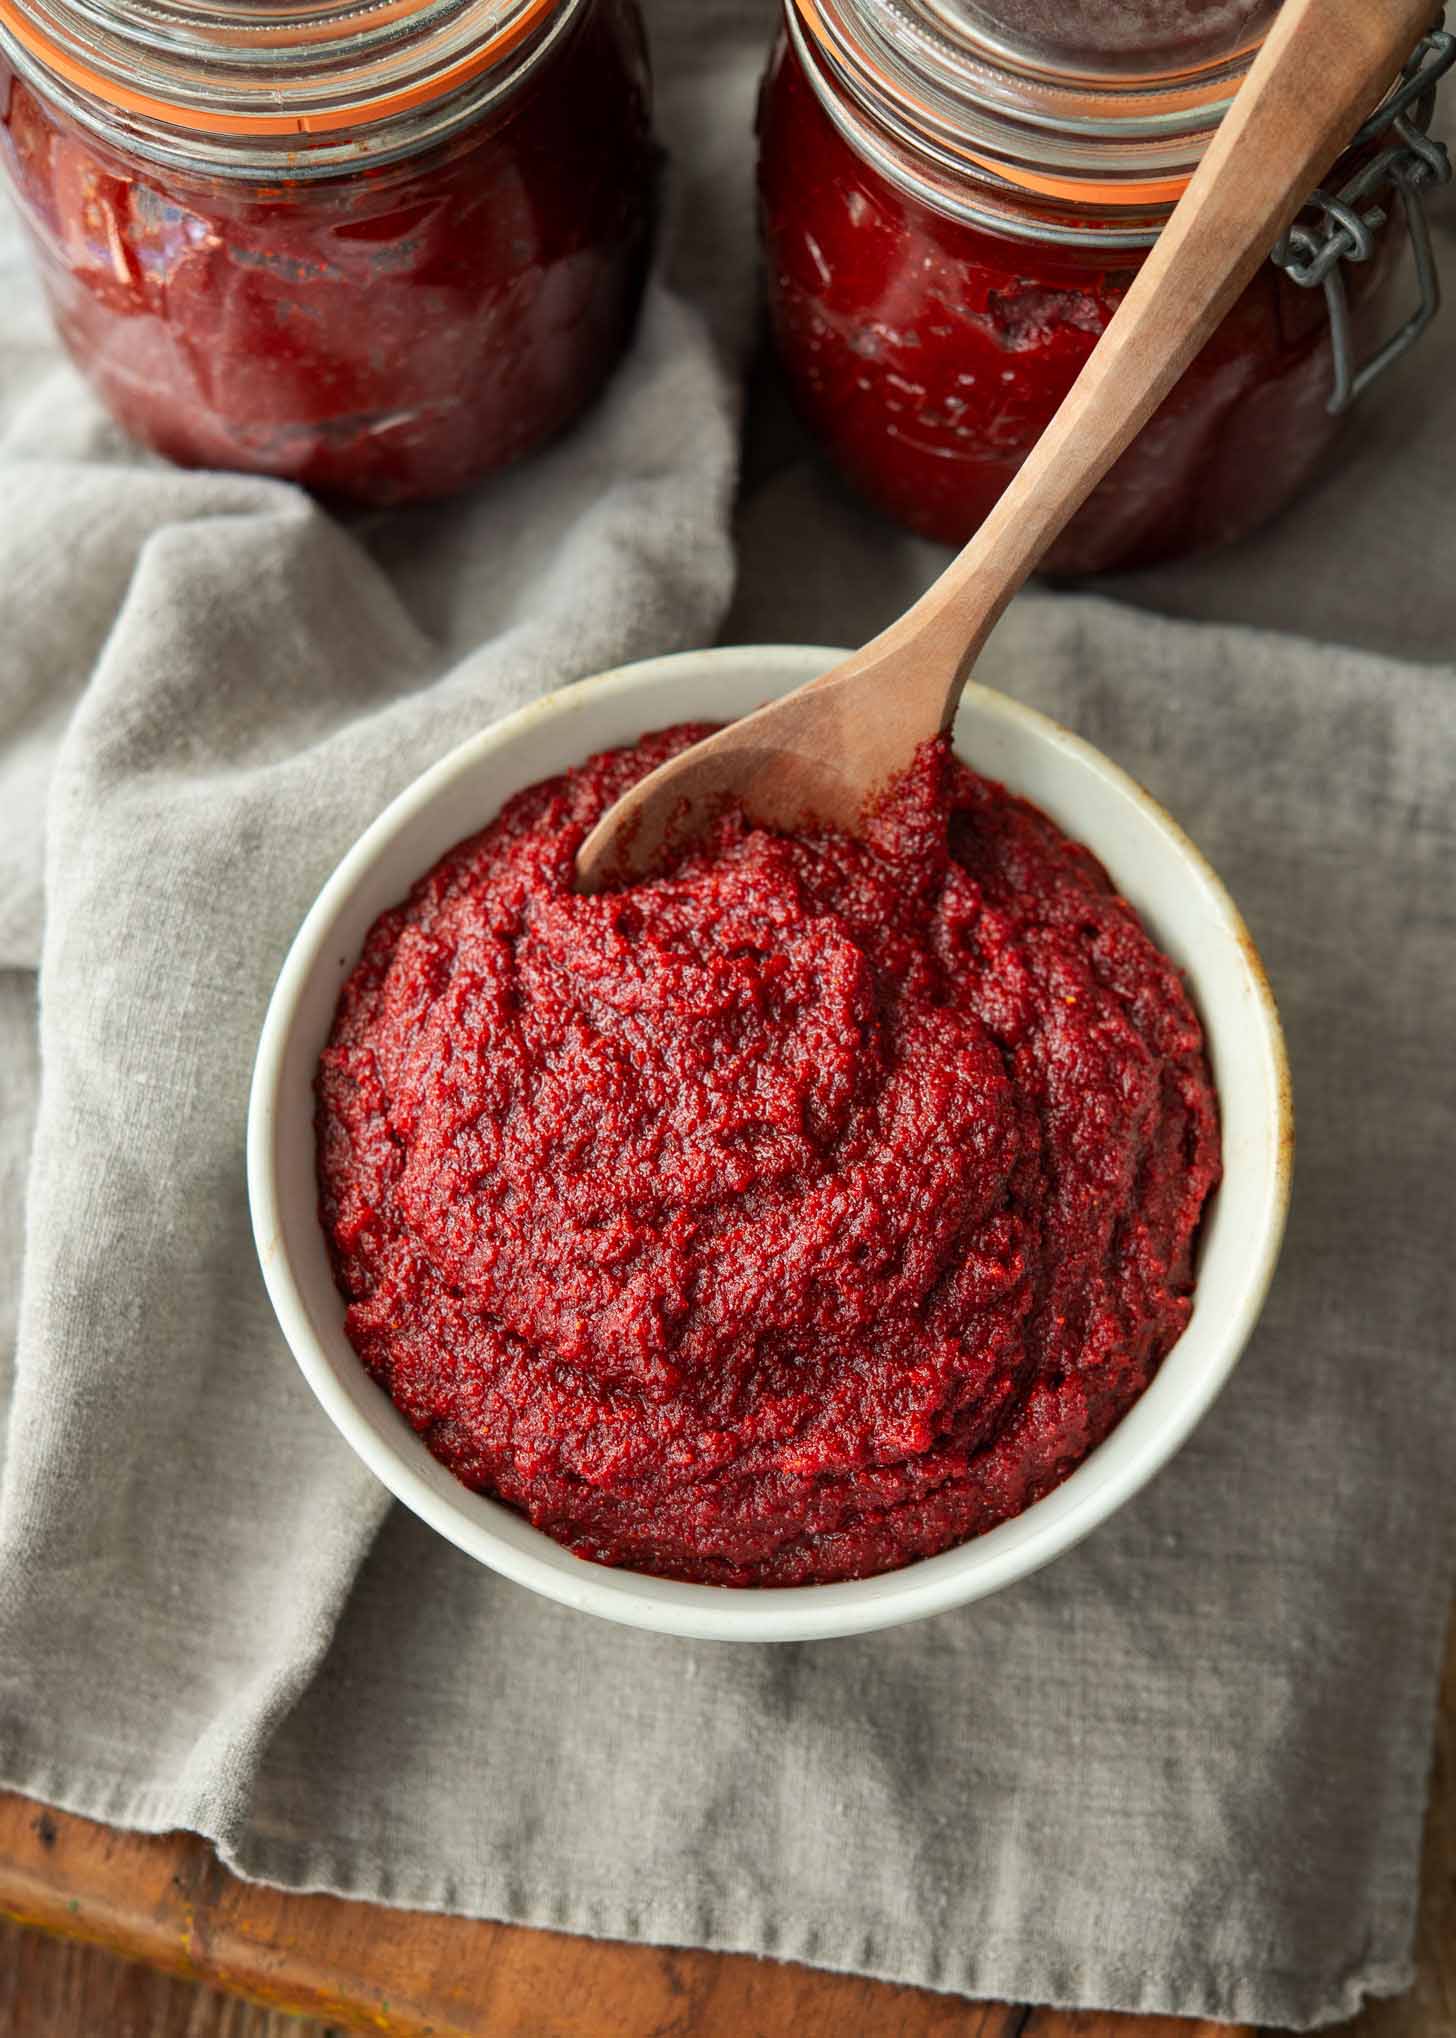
x=1182, y=1770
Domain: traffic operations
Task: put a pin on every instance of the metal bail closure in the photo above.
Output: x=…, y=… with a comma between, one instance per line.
x=1314, y=254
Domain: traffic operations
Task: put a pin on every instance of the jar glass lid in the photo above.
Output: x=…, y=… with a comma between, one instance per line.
x=276, y=72
x=1095, y=113
x=1120, y=124
x=1102, y=38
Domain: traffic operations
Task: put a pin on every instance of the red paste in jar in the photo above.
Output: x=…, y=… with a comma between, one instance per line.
x=799, y=1213
x=382, y=336
x=928, y=356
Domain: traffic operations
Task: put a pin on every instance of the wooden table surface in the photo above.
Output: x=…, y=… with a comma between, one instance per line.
x=398, y=1974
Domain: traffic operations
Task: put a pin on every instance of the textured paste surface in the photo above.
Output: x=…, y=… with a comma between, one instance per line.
x=800, y=1213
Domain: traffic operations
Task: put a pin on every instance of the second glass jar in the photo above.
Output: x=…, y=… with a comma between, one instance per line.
x=946, y=240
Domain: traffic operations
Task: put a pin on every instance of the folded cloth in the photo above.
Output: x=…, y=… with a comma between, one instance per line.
x=1181, y=1770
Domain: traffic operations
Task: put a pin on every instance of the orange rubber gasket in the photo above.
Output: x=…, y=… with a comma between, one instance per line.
x=1147, y=191
x=201, y=120
x=1155, y=191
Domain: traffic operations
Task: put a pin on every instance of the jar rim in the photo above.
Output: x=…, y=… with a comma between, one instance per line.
x=276, y=80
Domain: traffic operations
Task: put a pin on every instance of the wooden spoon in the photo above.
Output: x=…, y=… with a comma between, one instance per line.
x=825, y=751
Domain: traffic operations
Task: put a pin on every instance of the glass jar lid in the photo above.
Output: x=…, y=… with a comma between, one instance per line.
x=296, y=84
x=1102, y=38
x=1125, y=130
x=1079, y=121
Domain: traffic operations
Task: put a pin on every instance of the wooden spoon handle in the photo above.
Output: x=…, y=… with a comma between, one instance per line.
x=1321, y=71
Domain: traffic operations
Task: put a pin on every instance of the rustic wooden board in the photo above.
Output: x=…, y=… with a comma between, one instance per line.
x=167, y=1901
x=55, y=1988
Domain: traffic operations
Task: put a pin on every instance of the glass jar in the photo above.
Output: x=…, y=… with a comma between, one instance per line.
x=954, y=198
x=379, y=251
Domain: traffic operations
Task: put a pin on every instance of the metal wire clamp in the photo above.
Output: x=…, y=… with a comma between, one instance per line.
x=1408, y=162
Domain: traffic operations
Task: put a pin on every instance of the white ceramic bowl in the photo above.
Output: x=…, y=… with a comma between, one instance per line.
x=1158, y=869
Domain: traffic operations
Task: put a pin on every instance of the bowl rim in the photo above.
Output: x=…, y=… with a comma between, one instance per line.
x=927, y=1586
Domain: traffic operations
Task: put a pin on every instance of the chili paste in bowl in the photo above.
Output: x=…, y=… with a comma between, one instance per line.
x=804, y=1211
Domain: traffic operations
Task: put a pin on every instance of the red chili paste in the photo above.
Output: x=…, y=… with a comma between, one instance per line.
x=385, y=335
x=928, y=355
x=801, y=1212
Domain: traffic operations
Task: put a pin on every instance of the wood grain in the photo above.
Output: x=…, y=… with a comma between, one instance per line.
x=54, y=1988
x=402, y=1974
